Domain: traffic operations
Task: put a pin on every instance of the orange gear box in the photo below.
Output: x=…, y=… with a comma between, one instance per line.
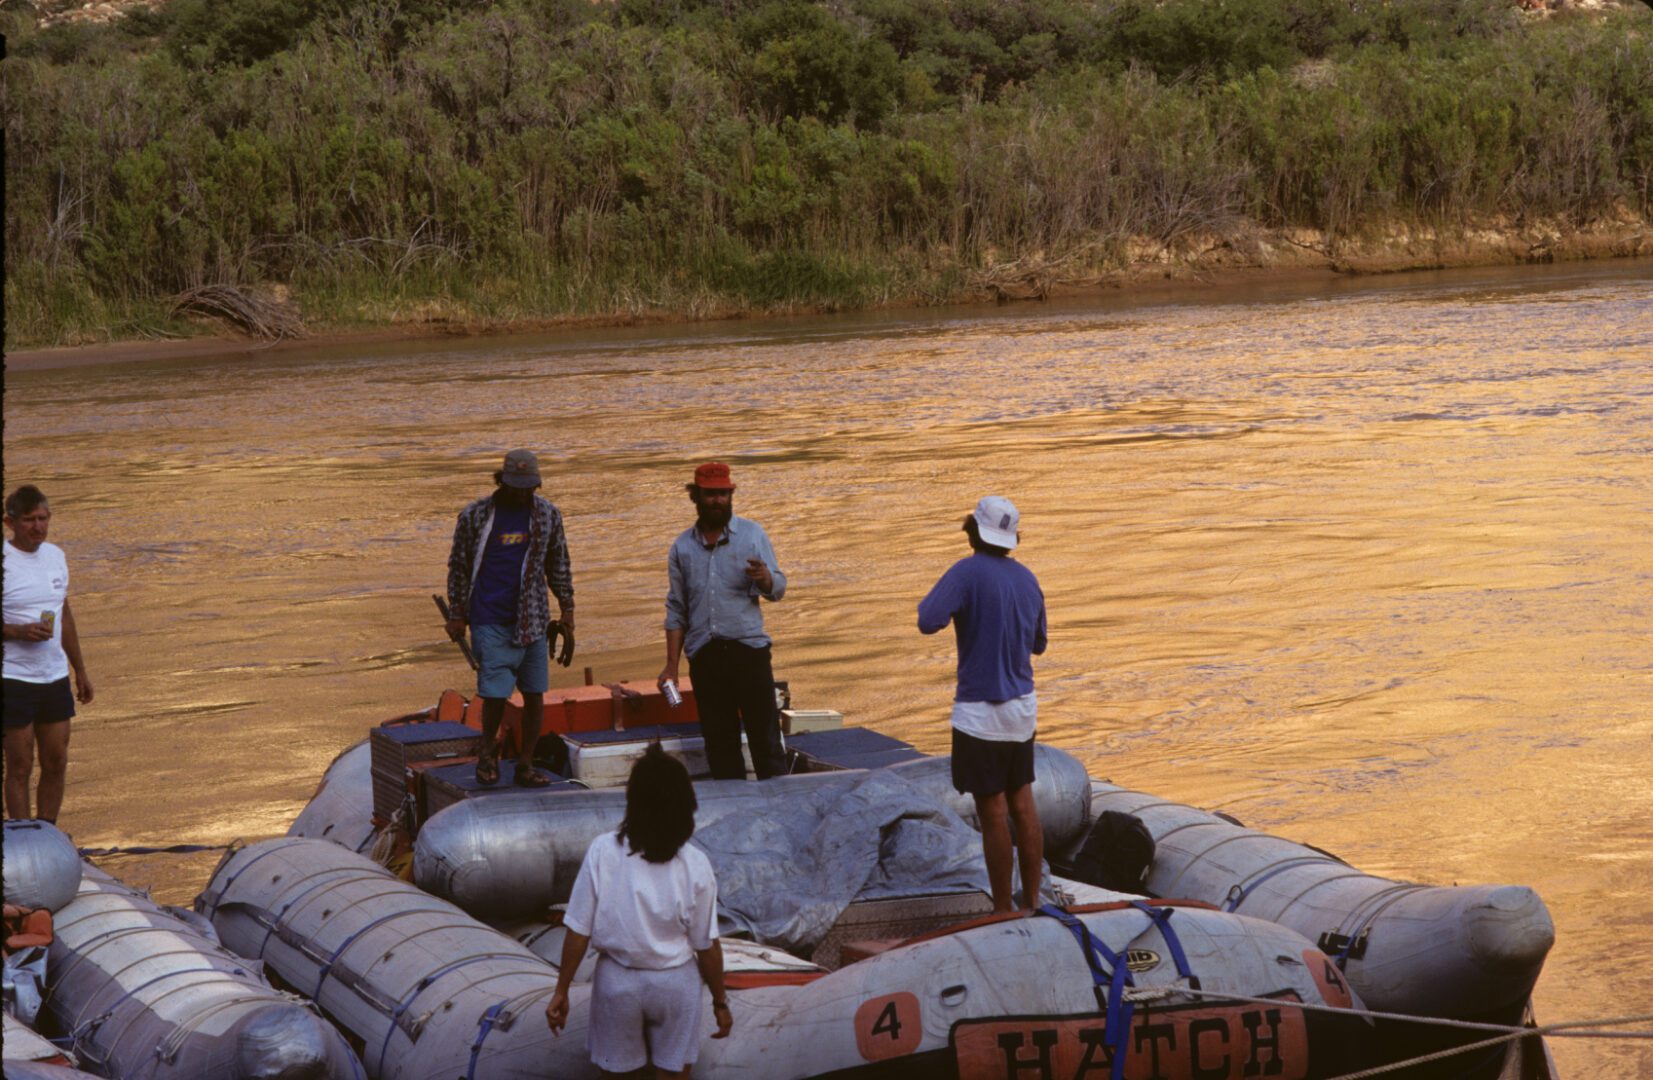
x=579, y=708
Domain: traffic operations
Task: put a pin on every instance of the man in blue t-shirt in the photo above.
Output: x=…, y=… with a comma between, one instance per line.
x=508, y=547
x=998, y=614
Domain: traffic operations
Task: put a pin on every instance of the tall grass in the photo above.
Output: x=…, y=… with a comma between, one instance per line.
x=468, y=161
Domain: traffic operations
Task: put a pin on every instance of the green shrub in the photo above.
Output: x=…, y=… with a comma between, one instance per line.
x=532, y=156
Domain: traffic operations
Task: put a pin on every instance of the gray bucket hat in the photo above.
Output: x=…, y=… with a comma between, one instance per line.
x=522, y=469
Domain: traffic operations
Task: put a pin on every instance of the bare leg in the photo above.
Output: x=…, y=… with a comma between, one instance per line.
x=533, y=711
x=493, y=711
x=993, y=813
x=1030, y=842
x=19, y=770
x=54, y=767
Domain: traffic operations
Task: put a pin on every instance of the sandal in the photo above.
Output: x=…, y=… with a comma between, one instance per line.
x=530, y=777
x=487, y=771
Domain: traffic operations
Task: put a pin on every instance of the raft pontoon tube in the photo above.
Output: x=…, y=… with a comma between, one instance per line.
x=429, y=991
x=144, y=993
x=341, y=810
x=23, y=1044
x=42, y=866
x=1461, y=951
x=437, y=995
x=516, y=854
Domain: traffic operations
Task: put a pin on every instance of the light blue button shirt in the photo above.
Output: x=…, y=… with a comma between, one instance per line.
x=711, y=596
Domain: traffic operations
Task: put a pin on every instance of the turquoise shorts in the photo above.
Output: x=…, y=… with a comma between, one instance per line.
x=504, y=667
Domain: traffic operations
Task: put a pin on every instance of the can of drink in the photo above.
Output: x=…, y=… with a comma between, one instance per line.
x=49, y=618
x=674, y=697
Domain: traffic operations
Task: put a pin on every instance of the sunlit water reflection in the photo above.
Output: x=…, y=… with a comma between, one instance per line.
x=1368, y=567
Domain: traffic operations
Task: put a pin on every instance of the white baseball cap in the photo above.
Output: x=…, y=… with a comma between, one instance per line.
x=996, y=520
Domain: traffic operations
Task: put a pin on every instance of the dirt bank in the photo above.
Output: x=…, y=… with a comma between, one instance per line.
x=1154, y=270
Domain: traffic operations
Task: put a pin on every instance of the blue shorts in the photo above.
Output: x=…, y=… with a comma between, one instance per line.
x=506, y=667
x=37, y=703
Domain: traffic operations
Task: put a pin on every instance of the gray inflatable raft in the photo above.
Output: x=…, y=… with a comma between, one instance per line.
x=341, y=810
x=1469, y=951
x=509, y=855
x=23, y=1044
x=430, y=991
x=144, y=993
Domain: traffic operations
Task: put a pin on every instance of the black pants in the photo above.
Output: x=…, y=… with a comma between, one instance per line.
x=734, y=688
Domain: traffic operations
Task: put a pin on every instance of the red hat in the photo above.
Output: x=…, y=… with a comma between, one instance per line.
x=713, y=476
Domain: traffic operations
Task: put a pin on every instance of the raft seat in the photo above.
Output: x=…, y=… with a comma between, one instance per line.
x=447, y=784
x=846, y=748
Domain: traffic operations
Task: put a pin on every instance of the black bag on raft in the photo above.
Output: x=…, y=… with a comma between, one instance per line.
x=1117, y=854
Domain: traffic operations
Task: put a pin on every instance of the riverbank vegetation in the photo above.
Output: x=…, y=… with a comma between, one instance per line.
x=467, y=163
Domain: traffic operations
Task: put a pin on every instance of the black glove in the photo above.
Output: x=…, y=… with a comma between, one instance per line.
x=566, y=656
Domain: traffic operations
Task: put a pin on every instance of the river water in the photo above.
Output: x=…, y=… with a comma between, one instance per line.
x=1366, y=564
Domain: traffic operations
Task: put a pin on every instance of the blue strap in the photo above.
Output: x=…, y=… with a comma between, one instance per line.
x=1342, y=957
x=225, y=891
x=419, y=988
x=327, y=966
x=84, y=1029
x=1162, y=918
x=1110, y=990
x=328, y=878
x=482, y=1030
x=1237, y=895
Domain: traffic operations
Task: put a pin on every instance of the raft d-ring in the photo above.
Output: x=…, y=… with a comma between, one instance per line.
x=953, y=996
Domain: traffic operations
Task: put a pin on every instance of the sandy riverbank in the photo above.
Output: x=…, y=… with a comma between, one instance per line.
x=1249, y=257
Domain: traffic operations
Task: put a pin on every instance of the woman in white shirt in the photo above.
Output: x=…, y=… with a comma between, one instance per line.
x=42, y=647
x=647, y=901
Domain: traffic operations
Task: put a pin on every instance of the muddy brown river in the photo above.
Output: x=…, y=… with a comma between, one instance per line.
x=1365, y=564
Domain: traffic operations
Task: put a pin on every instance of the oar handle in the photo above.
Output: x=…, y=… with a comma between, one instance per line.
x=442, y=606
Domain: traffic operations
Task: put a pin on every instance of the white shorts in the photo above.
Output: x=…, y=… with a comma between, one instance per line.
x=641, y=1017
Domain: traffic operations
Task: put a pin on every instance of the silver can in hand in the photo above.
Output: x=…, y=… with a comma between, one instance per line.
x=674, y=696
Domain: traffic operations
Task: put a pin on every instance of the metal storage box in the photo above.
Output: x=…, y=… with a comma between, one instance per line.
x=605, y=758
x=798, y=721
x=397, y=749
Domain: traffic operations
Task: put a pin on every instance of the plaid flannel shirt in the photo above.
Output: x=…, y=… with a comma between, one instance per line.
x=545, y=561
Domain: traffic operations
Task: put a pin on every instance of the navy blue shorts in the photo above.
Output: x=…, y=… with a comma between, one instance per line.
x=982, y=767
x=37, y=703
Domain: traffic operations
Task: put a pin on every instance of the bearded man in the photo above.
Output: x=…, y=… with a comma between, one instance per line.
x=720, y=568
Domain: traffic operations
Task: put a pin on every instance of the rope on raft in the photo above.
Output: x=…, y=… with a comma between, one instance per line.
x=1568, y=1029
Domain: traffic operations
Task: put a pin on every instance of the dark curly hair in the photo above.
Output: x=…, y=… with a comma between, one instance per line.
x=660, y=806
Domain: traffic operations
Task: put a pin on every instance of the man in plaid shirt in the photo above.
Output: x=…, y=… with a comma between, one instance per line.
x=507, y=547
